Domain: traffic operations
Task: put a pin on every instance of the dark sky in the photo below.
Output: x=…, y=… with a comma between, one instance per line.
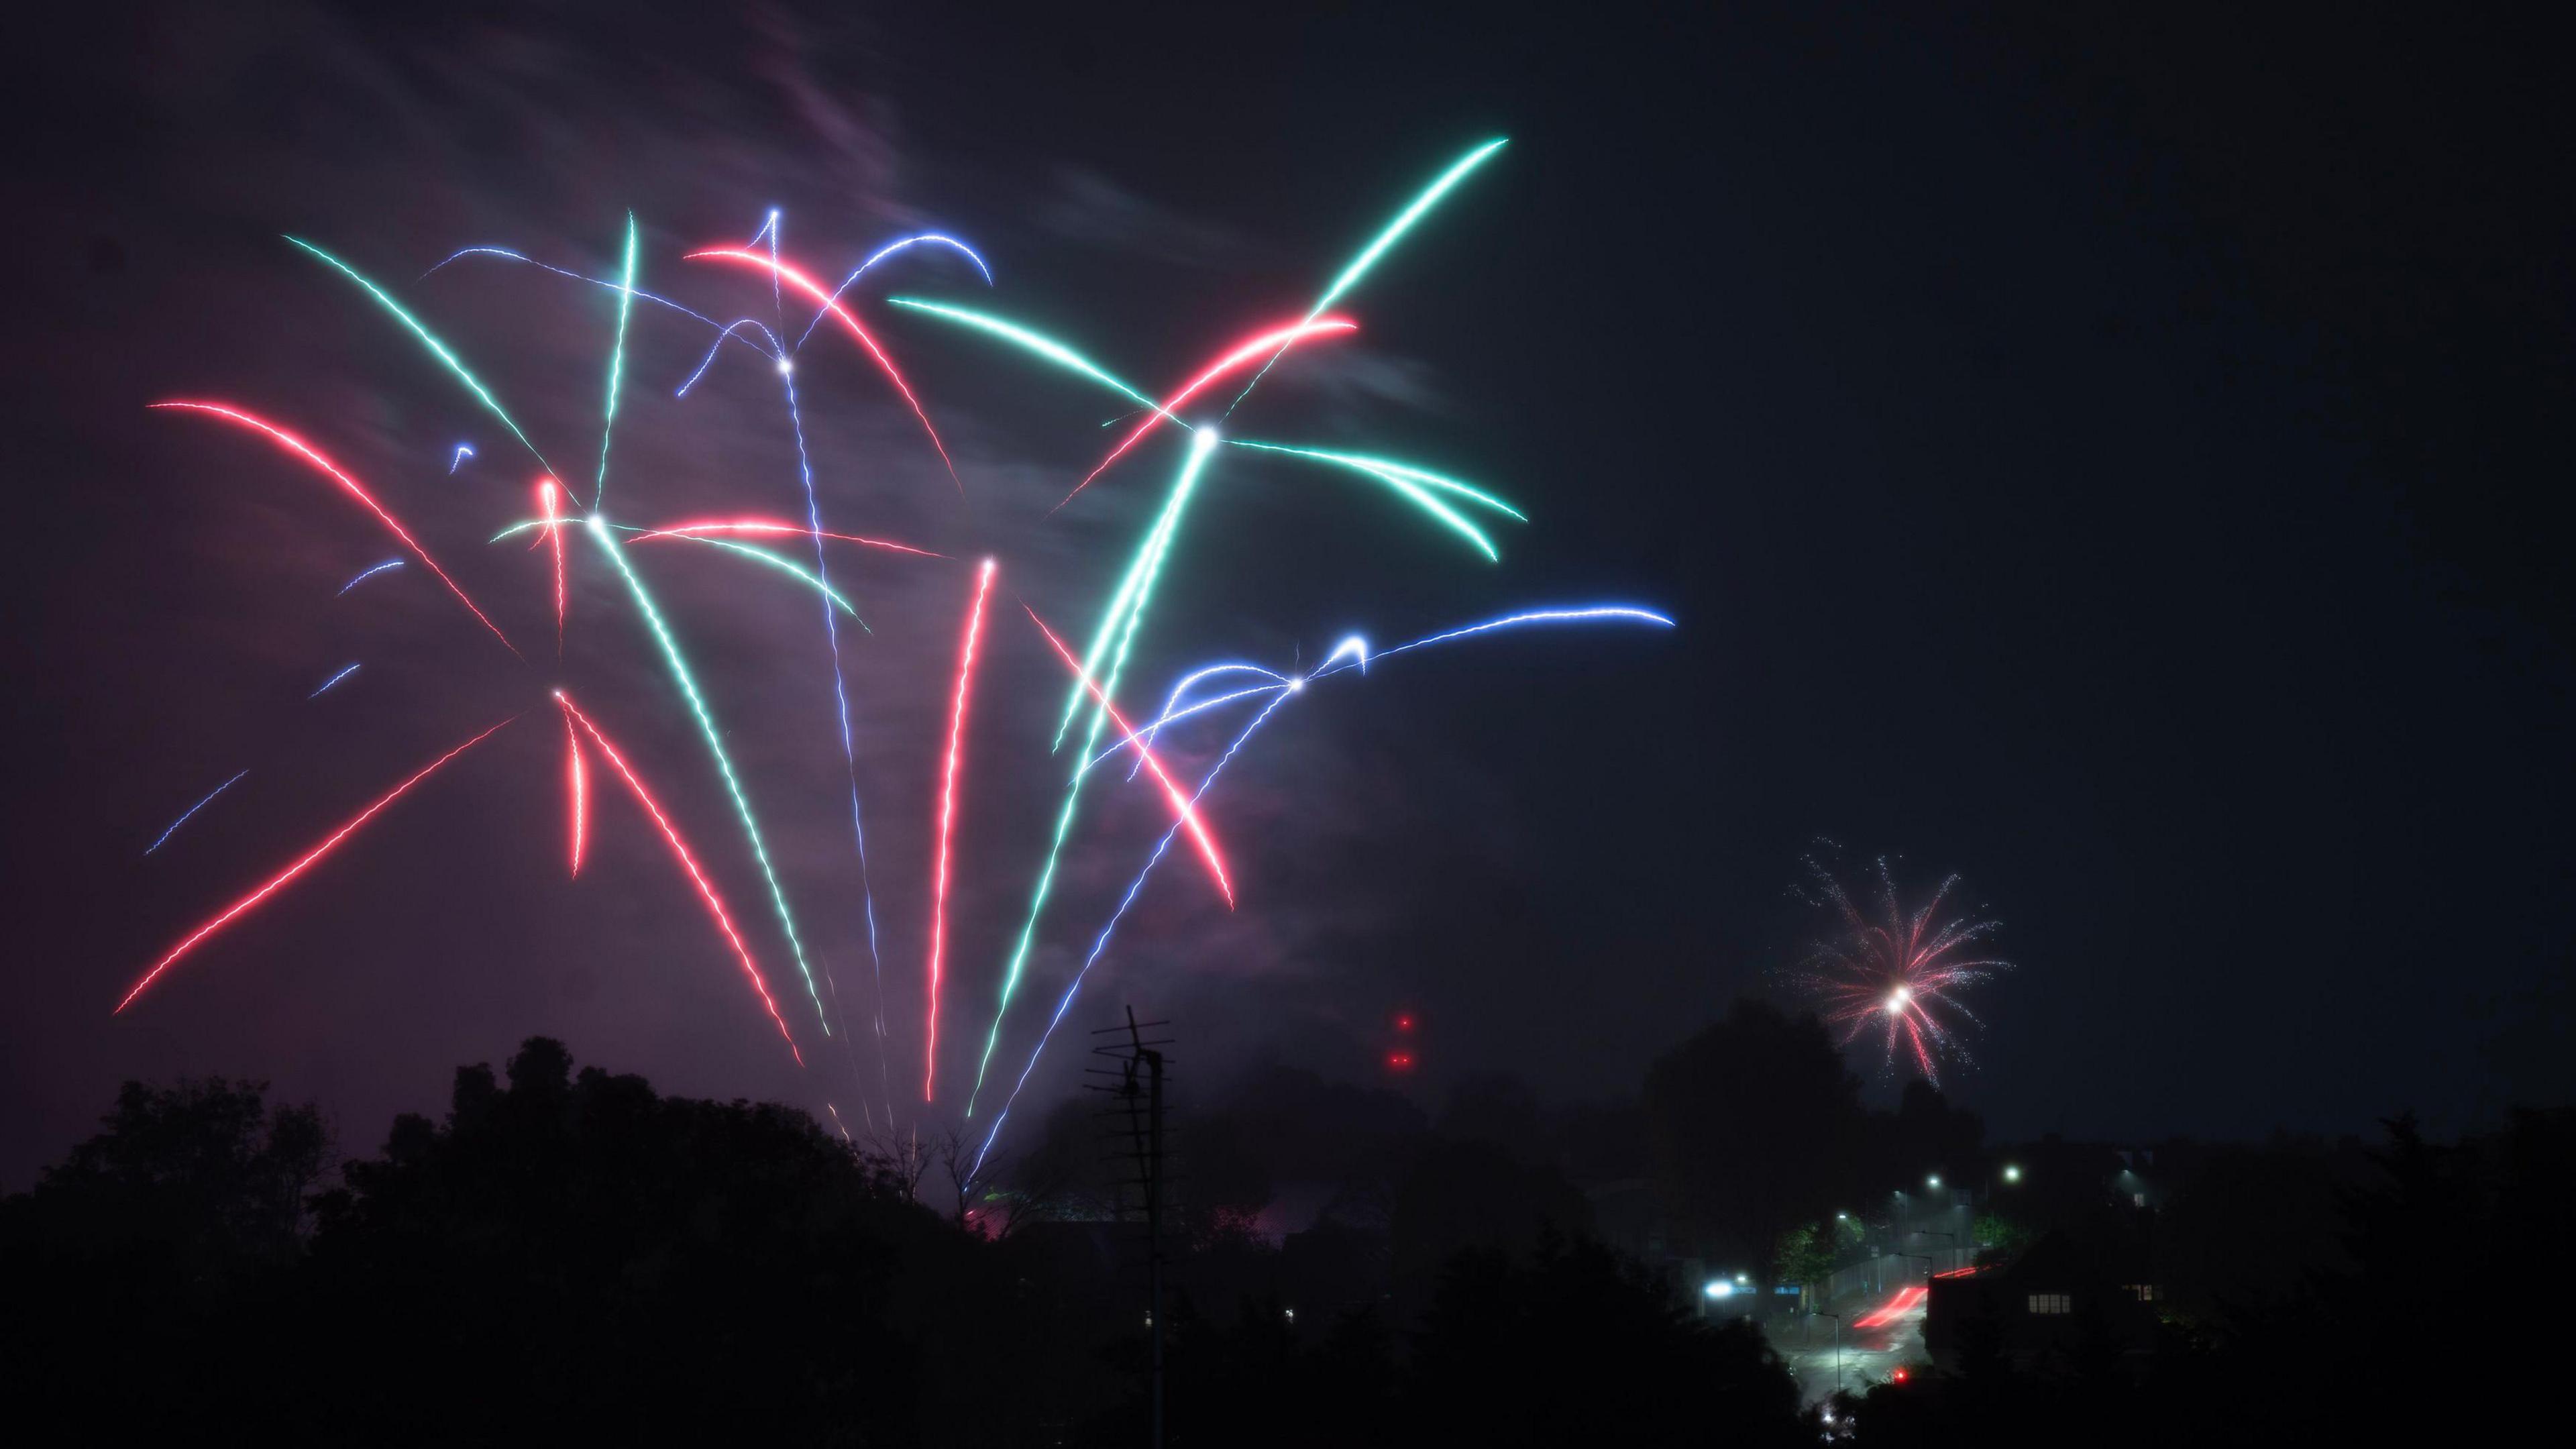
x=2116, y=458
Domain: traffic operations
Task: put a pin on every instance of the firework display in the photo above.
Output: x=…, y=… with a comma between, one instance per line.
x=1897, y=974
x=1099, y=742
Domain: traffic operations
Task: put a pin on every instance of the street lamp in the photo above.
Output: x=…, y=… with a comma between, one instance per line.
x=1838, y=1347
x=1933, y=1181
x=2012, y=1174
x=1937, y=1233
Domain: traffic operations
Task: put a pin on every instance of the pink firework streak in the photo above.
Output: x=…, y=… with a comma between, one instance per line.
x=303, y=863
x=546, y=490
x=688, y=862
x=1244, y=354
x=1182, y=810
x=948, y=817
x=792, y=276
x=1900, y=972
x=313, y=455
x=702, y=528
x=577, y=786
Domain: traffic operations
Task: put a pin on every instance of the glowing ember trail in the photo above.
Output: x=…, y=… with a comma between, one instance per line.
x=702, y=527
x=1354, y=650
x=1242, y=355
x=366, y=574
x=948, y=819
x=576, y=786
x=688, y=862
x=1133, y=595
x=715, y=746
x=437, y=348
x=1183, y=815
x=1394, y=231
x=334, y=679
x=1044, y=346
x=792, y=276
x=616, y=366
x=1138, y=581
x=546, y=490
x=302, y=864
x=165, y=835
x=313, y=455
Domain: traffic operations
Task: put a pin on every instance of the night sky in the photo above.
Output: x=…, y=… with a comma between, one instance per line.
x=2118, y=459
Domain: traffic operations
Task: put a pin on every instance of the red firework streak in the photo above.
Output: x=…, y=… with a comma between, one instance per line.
x=1182, y=810
x=797, y=279
x=313, y=455
x=688, y=862
x=703, y=527
x=1244, y=354
x=546, y=490
x=577, y=781
x=302, y=864
x=948, y=816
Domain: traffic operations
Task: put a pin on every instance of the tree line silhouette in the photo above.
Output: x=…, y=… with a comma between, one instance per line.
x=568, y=1255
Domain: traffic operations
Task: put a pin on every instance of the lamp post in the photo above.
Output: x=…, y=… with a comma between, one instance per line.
x=1838, y=1347
x=1937, y=1233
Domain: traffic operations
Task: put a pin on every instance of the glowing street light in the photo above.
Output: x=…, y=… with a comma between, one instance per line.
x=2011, y=1173
x=1933, y=1181
x=1719, y=1288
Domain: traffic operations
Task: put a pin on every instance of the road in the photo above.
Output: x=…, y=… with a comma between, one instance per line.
x=1880, y=1332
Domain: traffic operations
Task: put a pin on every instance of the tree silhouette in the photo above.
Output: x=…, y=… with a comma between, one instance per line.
x=1754, y=1125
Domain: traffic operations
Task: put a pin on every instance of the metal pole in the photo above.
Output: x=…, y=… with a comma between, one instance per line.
x=1154, y=1225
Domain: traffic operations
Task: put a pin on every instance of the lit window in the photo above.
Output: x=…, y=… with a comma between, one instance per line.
x=2146, y=1292
x=2138, y=1199
x=2052, y=1303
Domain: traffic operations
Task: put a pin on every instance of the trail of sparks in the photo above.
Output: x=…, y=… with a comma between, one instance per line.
x=777, y=354
x=1100, y=943
x=546, y=490
x=948, y=818
x=334, y=679
x=1236, y=358
x=302, y=864
x=1423, y=476
x=314, y=456
x=770, y=526
x=1511, y=621
x=463, y=452
x=1132, y=598
x=1403, y=483
x=849, y=749
x=1148, y=560
x=437, y=348
x=1182, y=814
x=832, y=597
x=165, y=835
x=616, y=364
x=1394, y=232
x=689, y=863
x=576, y=787
x=782, y=271
x=366, y=574
x=1044, y=346
x=715, y=746
x=905, y=243
x=1288, y=687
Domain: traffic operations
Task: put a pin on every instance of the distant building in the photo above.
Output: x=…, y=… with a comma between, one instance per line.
x=2057, y=1306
